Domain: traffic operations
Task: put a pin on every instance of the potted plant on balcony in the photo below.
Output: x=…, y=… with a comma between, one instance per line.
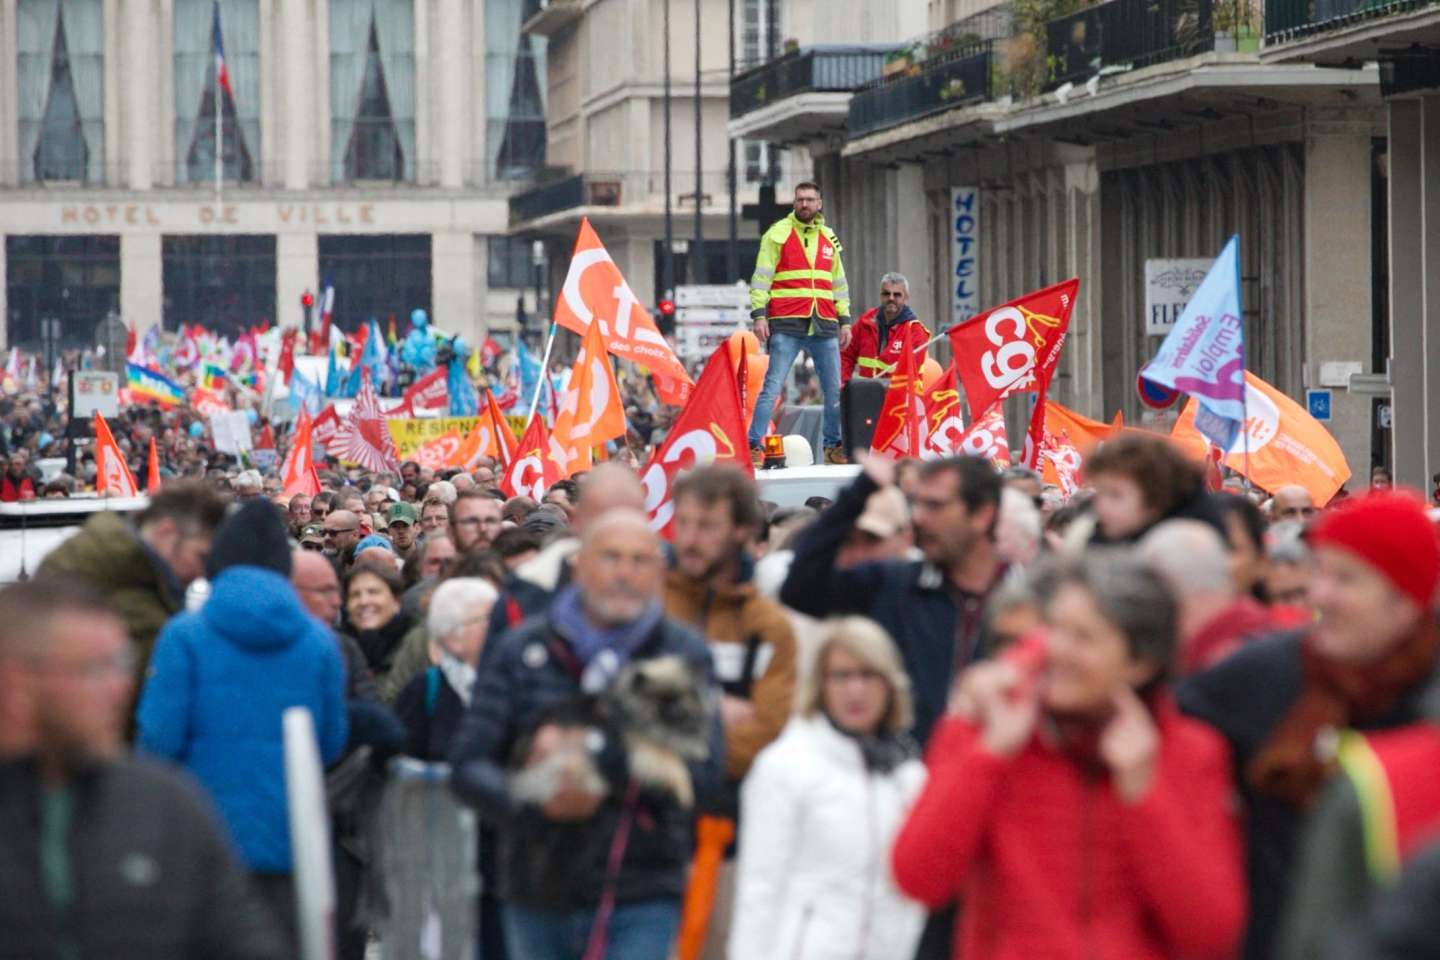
x=791, y=45
x=897, y=62
x=954, y=89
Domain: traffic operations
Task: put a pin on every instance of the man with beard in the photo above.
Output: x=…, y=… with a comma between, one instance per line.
x=883, y=333
x=341, y=533
x=752, y=645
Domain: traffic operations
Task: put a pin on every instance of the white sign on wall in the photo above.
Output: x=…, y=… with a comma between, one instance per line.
x=698, y=341
x=94, y=391
x=964, y=228
x=1169, y=284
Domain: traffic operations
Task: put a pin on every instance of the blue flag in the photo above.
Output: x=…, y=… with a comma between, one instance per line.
x=1204, y=353
x=373, y=358
x=529, y=365
x=334, y=383
x=307, y=394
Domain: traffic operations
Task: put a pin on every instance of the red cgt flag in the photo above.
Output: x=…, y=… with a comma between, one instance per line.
x=900, y=426
x=711, y=429
x=532, y=471
x=430, y=392
x=1013, y=348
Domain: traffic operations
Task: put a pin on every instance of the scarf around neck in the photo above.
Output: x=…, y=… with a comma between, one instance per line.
x=602, y=651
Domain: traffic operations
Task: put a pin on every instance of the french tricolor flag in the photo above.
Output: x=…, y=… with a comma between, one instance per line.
x=222, y=76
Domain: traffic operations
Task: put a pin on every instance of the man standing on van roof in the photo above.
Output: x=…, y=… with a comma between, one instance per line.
x=799, y=299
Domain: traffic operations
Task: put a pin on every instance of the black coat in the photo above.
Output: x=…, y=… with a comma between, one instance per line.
x=562, y=866
x=431, y=711
x=910, y=599
x=1245, y=697
x=153, y=874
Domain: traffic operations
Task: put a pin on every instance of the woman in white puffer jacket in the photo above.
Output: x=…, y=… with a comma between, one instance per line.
x=820, y=810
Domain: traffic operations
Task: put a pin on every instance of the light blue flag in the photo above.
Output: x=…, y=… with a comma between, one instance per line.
x=306, y=393
x=464, y=401
x=529, y=365
x=1204, y=353
x=334, y=383
x=373, y=358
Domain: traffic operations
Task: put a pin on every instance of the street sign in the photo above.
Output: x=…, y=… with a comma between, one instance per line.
x=1154, y=395
x=1318, y=403
x=1169, y=285
x=698, y=341
x=732, y=295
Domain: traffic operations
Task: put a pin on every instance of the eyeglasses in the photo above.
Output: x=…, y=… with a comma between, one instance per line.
x=120, y=663
x=311, y=545
x=842, y=677
x=335, y=533
x=1293, y=513
x=333, y=588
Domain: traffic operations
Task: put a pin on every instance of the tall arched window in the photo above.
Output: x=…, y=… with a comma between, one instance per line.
x=372, y=90
x=61, y=89
x=200, y=28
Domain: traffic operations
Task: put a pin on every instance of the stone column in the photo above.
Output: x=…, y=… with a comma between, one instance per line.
x=297, y=269
x=297, y=104
x=456, y=107
x=1337, y=314
x=4, y=301
x=142, y=292
x=1429, y=263
x=1079, y=231
x=452, y=284
x=1407, y=367
x=141, y=116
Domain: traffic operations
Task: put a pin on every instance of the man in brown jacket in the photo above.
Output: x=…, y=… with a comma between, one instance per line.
x=752, y=646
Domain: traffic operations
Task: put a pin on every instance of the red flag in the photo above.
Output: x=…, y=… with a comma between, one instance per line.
x=298, y=472
x=112, y=474
x=267, y=438
x=711, y=429
x=287, y=354
x=493, y=434
x=363, y=437
x=595, y=289
x=430, y=392
x=987, y=439
x=944, y=420
x=325, y=427
x=532, y=471
x=1013, y=348
x=152, y=470
x=899, y=428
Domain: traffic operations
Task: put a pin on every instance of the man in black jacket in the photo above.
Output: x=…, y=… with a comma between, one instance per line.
x=581, y=868
x=933, y=608
x=101, y=855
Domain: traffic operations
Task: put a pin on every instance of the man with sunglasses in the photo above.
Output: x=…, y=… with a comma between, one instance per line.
x=884, y=333
x=340, y=533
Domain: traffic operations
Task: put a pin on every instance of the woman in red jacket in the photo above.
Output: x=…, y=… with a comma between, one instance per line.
x=1072, y=809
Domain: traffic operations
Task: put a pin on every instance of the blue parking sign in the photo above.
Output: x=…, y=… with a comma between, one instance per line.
x=1318, y=403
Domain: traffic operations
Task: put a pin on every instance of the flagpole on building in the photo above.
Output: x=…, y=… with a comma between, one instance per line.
x=219, y=109
x=1244, y=363
x=544, y=366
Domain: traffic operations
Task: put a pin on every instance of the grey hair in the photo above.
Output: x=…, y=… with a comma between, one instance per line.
x=1190, y=556
x=441, y=491
x=866, y=641
x=894, y=277
x=1128, y=592
x=457, y=601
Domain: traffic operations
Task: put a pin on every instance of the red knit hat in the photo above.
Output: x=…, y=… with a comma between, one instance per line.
x=1391, y=532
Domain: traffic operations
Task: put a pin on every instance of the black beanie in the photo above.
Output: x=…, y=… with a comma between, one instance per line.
x=252, y=536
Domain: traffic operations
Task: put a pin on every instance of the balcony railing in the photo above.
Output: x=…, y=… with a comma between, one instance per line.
x=635, y=188
x=1126, y=33
x=1291, y=19
x=953, y=77
x=804, y=71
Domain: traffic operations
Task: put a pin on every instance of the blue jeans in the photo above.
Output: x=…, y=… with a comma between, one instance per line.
x=783, y=349
x=638, y=931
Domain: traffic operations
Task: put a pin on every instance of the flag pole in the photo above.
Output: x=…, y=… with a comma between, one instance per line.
x=1244, y=364
x=544, y=366
x=219, y=109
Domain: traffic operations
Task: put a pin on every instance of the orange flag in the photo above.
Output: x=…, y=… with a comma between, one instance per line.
x=596, y=290
x=1287, y=445
x=900, y=426
x=298, y=472
x=152, y=470
x=504, y=436
x=1068, y=439
x=711, y=429
x=591, y=409
x=112, y=474
x=532, y=471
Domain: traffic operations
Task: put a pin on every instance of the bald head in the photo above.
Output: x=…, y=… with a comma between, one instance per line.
x=315, y=581
x=1190, y=557
x=609, y=487
x=342, y=531
x=620, y=568
x=1292, y=502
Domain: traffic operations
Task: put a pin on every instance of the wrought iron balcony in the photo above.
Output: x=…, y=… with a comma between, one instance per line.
x=818, y=69
x=1126, y=33
x=950, y=77
x=1292, y=19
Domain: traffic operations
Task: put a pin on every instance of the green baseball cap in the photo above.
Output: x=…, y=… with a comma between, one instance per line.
x=402, y=513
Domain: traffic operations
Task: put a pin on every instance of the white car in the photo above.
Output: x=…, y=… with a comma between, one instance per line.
x=29, y=529
x=792, y=486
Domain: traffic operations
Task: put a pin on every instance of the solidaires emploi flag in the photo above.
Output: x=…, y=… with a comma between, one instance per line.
x=1204, y=353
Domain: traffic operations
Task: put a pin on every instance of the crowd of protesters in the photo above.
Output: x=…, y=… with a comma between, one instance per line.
x=948, y=714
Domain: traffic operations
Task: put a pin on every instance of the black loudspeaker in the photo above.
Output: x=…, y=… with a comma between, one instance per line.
x=860, y=403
